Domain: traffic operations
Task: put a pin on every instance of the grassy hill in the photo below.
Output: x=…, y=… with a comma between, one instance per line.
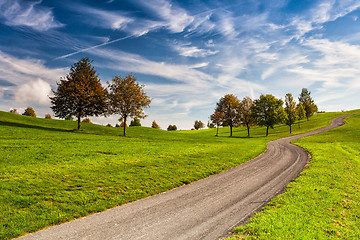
x=51, y=173
x=324, y=202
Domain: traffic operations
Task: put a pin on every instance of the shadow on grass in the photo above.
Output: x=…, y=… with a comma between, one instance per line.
x=22, y=125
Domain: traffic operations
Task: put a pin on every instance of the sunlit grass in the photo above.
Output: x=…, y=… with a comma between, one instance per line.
x=323, y=203
x=51, y=173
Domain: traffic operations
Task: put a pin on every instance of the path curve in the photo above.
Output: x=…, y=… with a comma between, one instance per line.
x=206, y=209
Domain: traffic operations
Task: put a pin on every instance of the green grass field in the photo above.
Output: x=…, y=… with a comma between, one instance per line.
x=51, y=173
x=324, y=202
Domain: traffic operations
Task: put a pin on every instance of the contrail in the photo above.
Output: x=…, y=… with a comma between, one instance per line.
x=96, y=46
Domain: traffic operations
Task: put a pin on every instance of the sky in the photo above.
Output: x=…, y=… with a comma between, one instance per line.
x=188, y=54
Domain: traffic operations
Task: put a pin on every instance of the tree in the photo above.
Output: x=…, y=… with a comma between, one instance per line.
x=307, y=102
x=172, y=128
x=86, y=120
x=217, y=119
x=245, y=109
x=47, y=116
x=69, y=118
x=290, y=110
x=198, y=125
x=29, y=111
x=155, y=125
x=127, y=98
x=135, y=123
x=229, y=105
x=14, y=110
x=210, y=125
x=300, y=111
x=122, y=123
x=267, y=111
x=80, y=94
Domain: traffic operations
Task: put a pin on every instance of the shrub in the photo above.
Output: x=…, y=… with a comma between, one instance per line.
x=69, y=118
x=47, y=116
x=117, y=125
x=172, y=128
x=135, y=123
x=109, y=125
x=29, y=112
x=122, y=124
x=86, y=120
x=155, y=125
x=14, y=110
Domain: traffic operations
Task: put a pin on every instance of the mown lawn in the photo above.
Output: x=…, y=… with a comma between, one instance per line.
x=51, y=173
x=324, y=202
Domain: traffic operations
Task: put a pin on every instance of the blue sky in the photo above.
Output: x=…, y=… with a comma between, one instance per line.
x=188, y=54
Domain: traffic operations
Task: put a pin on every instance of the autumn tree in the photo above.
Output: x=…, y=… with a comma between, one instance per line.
x=14, y=110
x=29, y=111
x=155, y=125
x=308, y=103
x=290, y=110
x=229, y=106
x=217, y=119
x=47, y=116
x=80, y=94
x=127, y=98
x=300, y=111
x=172, y=128
x=245, y=110
x=267, y=111
x=198, y=125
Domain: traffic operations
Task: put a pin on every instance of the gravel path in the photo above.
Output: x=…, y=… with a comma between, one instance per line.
x=206, y=209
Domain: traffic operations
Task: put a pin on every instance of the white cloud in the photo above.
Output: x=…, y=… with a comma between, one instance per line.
x=105, y=19
x=29, y=14
x=192, y=51
x=33, y=92
x=172, y=17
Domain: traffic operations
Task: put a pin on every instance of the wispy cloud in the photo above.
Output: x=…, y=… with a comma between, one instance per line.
x=28, y=14
x=192, y=51
x=172, y=17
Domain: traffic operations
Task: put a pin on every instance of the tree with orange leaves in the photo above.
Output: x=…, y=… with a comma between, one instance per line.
x=127, y=98
x=80, y=94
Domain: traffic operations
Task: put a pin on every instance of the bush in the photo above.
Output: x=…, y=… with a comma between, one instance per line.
x=117, y=125
x=172, y=128
x=47, y=116
x=109, y=125
x=29, y=112
x=135, y=123
x=14, y=111
x=69, y=118
x=122, y=124
x=155, y=125
x=86, y=120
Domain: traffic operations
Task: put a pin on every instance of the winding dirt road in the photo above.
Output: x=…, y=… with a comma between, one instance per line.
x=206, y=209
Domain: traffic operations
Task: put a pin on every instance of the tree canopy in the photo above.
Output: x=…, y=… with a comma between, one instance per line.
x=29, y=111
x=80, y=94
x=245, y=110
x=127, y=98
x=308, y=103
x=198, y=125
x=267, y=111
x=290, y=110
x=229, y=107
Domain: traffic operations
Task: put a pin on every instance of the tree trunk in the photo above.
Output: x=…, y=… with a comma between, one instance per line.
x=290, y=128
x=248, y=128
x=217, y=131
x=230, y=130
x=124, y=126
x=267, y=130
x=79, y=122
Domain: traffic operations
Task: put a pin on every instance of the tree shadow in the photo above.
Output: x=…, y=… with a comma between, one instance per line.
x=22, y=125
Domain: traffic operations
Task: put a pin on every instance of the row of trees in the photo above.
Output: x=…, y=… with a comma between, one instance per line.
x=81, y=94
x=265, y=111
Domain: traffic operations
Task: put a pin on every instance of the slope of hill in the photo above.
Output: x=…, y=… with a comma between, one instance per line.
x=51, y=173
